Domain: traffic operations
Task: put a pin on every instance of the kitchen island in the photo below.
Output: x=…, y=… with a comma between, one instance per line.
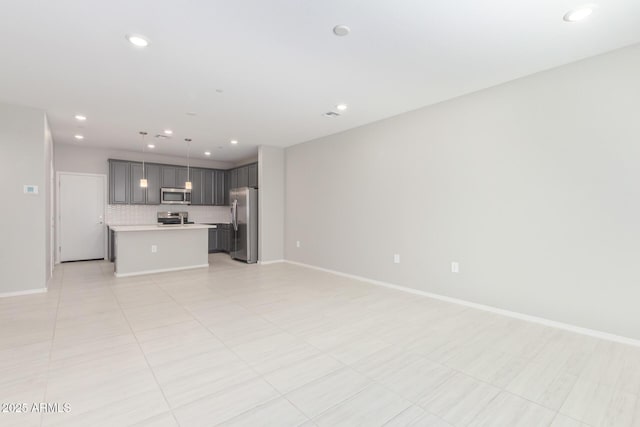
x=146, y=249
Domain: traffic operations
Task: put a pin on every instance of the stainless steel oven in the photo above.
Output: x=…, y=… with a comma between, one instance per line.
x=175, y=196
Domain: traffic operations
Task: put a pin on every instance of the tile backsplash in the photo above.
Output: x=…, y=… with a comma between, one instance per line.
x=143, y=214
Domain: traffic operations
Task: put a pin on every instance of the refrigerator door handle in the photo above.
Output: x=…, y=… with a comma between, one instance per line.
x=234, y=215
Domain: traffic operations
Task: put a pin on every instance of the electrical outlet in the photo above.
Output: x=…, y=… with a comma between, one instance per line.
x=297, y=243
x=455, y=267
x=154, y=249
x=396, y=258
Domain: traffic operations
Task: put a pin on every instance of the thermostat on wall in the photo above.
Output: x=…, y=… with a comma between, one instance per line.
x=30, y=189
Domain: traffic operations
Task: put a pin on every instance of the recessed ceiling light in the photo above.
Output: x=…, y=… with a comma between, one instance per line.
x=207, y=153
x=341, y=107
x=576, y=15
x=168, y=132
x=331, y=114
x=137, y=40
x=341, y=30
x=79, y=137
x=234, y=141
x=80, y=117
x=151, y=146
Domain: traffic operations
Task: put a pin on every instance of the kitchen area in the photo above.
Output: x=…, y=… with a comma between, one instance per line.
x=166, y=217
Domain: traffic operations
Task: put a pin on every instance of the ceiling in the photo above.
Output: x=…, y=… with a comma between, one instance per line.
x=264, y=72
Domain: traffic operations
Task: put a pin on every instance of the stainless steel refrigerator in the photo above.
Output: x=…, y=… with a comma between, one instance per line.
x=244, y=220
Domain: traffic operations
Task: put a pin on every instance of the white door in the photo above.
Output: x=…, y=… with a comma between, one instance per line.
x=82, y=229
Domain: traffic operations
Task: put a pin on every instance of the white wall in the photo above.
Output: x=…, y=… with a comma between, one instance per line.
x=271, y=203
x=533, y=186
x=23, y=158
x=49, y=208
x=74, y=158
x=247, y=161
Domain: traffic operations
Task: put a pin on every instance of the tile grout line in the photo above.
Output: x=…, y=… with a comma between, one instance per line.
x=501, y=389
x=271, y=291
x=306, y=342
x=346, y=366
x=143, y=353
x=368, y=377
x=53, y=337
x=234, y=353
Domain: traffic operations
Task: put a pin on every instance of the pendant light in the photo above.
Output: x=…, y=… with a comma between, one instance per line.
x=188, y=184
x=143, y=180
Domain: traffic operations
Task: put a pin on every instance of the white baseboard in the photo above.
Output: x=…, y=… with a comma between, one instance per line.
x=275, y=261
x=164, y=270
x=540, y=320
x=20, y=293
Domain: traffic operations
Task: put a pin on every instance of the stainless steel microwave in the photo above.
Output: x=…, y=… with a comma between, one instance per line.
x=175, y=196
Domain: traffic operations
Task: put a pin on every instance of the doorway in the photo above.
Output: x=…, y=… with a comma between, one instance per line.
x=81, y=210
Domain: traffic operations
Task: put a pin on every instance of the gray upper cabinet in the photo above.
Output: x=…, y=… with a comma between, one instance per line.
x=219, y=188
x=138, y=194
x=197, y=189
x=234, y=178
x=253, y=175
x=153, y=183
x=181, y=176
x=243, y=176
x=210, y=186
x=168, y=176
x=227, y=186
x=119, y=182
x=174, y=176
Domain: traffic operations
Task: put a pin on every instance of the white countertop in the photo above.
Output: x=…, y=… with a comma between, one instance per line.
x=155, y=227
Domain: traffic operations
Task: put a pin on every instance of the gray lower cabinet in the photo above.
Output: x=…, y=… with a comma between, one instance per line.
x=225, y=239
x=152, y=173
x=138, y=194
x=119, y=182
x=220, y=238
x=213, y=240
x=111, y=244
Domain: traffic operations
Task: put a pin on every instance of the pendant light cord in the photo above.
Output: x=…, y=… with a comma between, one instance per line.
x=144, y=134
x=188, y=153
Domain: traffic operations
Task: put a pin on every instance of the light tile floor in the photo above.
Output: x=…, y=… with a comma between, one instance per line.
x=282, y=345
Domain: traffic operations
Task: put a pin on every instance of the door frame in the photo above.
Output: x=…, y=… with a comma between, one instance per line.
x=59, y=222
